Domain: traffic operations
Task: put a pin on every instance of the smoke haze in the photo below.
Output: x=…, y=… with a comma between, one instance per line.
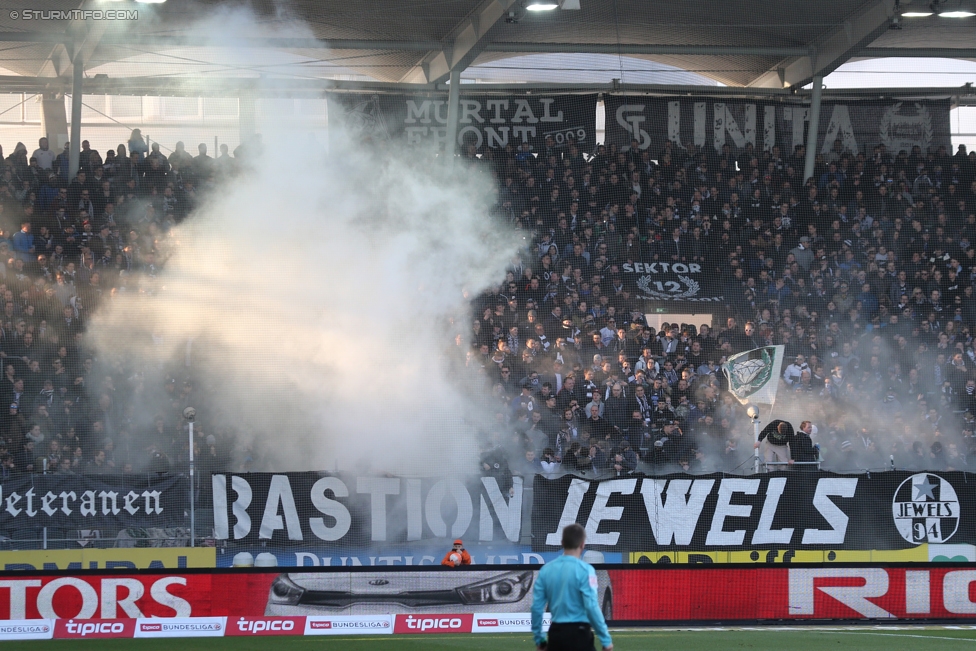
x=318, y=293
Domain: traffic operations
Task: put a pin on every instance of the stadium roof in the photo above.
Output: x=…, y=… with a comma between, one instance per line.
x=761, y=44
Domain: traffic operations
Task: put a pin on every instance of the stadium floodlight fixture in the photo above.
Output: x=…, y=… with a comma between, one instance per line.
x=962, y=10
x=541, y=5
x=909, y=13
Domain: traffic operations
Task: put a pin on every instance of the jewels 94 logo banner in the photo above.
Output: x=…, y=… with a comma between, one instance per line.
x=790, y=510
x=926, y=507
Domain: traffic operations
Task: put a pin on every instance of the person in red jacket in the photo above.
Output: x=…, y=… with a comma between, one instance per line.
x=458, y=555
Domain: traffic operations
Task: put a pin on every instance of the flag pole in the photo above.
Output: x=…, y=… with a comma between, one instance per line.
x=752, y=411
x=772, y=403
x=757, y=390
x=755, y=427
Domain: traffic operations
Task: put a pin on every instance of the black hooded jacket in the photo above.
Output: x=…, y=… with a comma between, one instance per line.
x=777, y=435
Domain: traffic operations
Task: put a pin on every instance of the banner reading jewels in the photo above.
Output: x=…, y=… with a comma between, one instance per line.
x=791, y=512
x=92, y=502
x=483, y=121
x=707, y=121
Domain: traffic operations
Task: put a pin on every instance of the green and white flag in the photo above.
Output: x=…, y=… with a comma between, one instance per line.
x=754, y=375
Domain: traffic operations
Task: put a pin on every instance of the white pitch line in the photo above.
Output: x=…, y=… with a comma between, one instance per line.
x=925, y=637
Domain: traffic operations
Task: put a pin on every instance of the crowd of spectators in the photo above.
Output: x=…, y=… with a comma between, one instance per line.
x=66, y=246
x=864, y=272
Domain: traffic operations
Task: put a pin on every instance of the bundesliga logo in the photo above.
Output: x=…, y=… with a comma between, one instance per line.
x=926, y=509
x=170, y=628
x=23, y=629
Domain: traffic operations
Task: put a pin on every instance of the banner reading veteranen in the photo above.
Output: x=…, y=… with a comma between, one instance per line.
x=714, y=122
x=92, y=501
x=488, y=121
x=792, y=511
x=356, y=512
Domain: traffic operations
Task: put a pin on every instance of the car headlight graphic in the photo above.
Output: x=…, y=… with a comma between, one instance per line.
x=507, y=588
x=502, y=588
x=286, y=591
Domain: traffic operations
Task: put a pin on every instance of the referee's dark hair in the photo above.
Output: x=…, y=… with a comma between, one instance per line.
x=574, y=535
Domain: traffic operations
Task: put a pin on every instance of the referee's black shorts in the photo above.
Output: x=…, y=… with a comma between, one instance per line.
x=575, y=636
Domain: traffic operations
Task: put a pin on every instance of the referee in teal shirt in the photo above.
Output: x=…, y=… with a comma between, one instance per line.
x=568, y=585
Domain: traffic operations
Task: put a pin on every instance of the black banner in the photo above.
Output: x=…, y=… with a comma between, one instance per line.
x=30, y=502
x=709, y=121
x=671, y=281
x=484, y=121
x=309, y=507
x=791, y=510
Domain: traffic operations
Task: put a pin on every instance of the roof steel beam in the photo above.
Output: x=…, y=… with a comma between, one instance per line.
x=77, y=45
x=514, y=48
x=634, y=48
x=277, y=87
x=833, y=49
x=466, y=42
x=230, y=41
x=410, y=46
x=923, y=52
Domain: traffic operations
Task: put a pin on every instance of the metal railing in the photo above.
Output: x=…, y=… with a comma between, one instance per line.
x=765, y=464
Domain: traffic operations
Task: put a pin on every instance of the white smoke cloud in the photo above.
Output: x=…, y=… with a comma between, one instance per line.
x=321, y=292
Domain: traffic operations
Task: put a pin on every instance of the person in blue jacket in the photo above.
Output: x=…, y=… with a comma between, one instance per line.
x=568, y=585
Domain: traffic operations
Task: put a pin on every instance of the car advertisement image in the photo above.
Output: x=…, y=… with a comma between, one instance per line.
x=487, y=591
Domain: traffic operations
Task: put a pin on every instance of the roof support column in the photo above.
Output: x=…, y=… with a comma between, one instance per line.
x=453, y=108
x=54, y=121
x=245, y=117
x=814, y=127
x=74, y=154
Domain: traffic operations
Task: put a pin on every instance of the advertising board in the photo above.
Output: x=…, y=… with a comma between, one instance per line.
x=152, y=558
x=270, y=603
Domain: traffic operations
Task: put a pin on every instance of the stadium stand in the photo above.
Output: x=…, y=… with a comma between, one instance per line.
x=865, y=274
